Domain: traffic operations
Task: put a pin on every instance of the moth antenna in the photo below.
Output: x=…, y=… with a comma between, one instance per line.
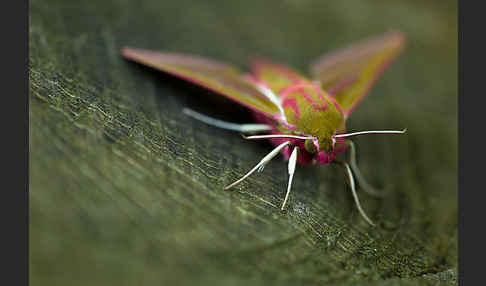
x=355, y=195
x=371, y=132
x=292, y=163
x=257, y=137
x=361, y=180
x=263, y=162
x=243, y=128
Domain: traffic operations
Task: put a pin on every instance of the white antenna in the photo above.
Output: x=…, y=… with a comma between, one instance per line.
x=256, y=137
x=371, y=132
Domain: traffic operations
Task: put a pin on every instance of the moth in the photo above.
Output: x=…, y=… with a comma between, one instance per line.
x=305, y=118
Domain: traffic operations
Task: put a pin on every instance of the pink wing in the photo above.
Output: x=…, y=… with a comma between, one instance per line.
x=349, y=74
x=275, y=75
x=215, y=76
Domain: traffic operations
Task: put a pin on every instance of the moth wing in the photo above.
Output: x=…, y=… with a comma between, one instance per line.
x=210, y=74
x=276, y=76
x=348, y=74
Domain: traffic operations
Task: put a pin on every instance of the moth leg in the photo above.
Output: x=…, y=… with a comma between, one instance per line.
x=243, y=128
x=349, y=174
x=292, y=163
x=263, y=162
x=361, y=180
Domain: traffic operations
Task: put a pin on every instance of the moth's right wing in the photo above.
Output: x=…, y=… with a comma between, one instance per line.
x=210, y=74
x=348, y=74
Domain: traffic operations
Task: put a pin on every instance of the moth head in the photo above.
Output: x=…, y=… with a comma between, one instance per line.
x=321, y=125
x=318, y=144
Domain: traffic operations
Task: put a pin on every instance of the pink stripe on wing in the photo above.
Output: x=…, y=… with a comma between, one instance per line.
x=130, y=54
x=259, y=64
x=174, y=58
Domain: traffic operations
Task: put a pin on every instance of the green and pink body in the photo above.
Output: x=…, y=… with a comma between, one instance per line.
x=309, y=111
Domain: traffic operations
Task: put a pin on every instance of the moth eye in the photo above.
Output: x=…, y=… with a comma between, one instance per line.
x=309, y=146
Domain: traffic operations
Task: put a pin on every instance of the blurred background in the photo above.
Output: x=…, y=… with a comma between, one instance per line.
x=125, y=189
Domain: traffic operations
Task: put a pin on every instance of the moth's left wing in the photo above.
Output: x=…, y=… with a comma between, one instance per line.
x=348, y=74
x=276, y=76
x=210, y=74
